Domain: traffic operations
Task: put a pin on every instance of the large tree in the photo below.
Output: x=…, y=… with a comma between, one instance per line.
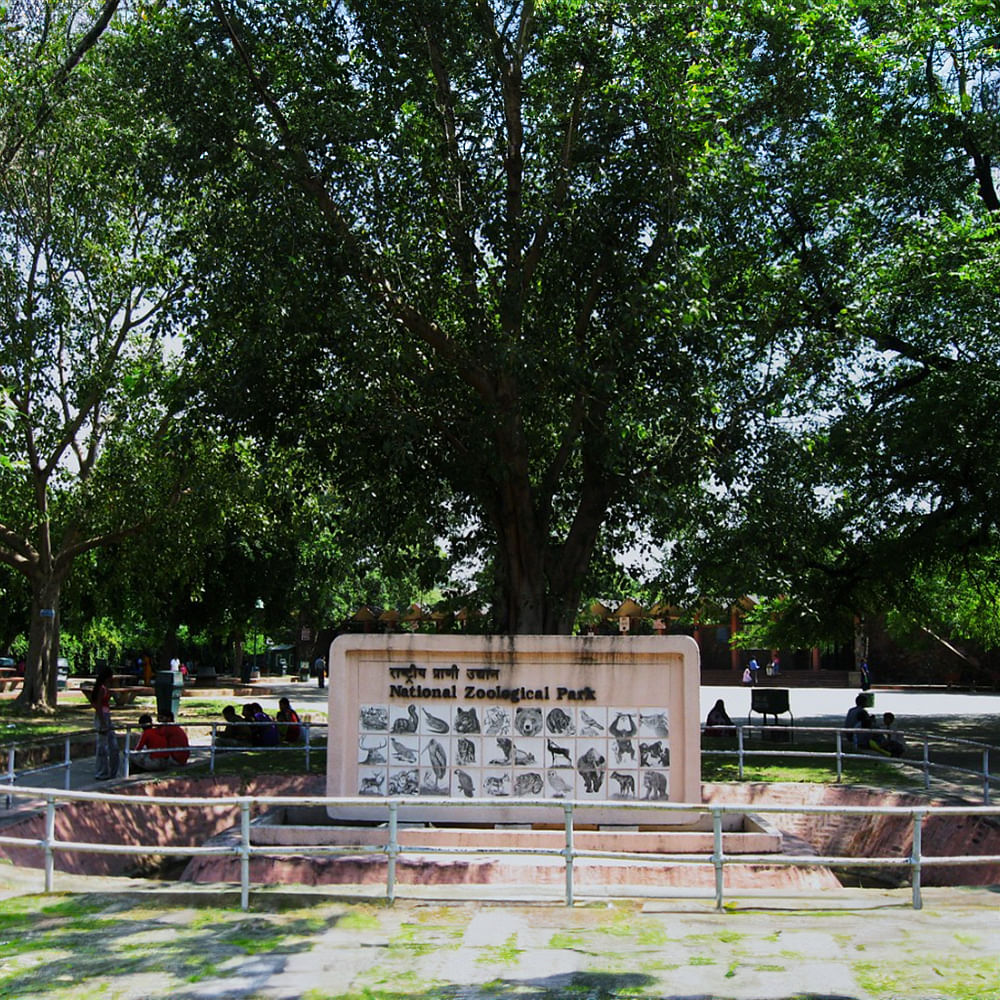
x=867, y=490
x=88, y=270
x=461, y=249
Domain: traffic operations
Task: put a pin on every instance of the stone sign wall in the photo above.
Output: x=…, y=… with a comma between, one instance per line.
x=594, y=718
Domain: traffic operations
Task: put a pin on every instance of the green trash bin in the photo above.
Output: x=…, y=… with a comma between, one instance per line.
x=168, y=685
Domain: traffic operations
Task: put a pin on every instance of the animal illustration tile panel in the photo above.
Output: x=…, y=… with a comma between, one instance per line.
x=520, y=751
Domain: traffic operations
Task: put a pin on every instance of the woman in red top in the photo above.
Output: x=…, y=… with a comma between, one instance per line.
x=288, y=722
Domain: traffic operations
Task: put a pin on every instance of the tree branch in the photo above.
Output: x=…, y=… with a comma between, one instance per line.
x=47, y=107
x=362, y=266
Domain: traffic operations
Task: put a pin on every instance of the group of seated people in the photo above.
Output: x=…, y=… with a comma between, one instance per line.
x=160, y=746
x=867, y=735
x=255, y=728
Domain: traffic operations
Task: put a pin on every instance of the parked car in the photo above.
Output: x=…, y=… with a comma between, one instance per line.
x=62, y=672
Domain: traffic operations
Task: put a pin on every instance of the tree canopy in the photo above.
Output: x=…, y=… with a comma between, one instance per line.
x=537, y=283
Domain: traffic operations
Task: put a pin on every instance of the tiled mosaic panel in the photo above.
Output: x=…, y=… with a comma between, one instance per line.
x=490, y=751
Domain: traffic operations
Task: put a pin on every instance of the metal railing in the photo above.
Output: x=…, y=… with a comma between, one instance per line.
x=395, y=808
x=310, y=744
x=213, y=748
x=843, y=750
x=922, y=749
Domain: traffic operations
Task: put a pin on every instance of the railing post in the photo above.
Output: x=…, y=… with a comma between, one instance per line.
x=717, y=854
x=211, y=749
x=68, y=764
x=50, y=833
x=739, y=747
x=308, y=736
x=918, y=825
x=840, y=756
x=568, y=851
x=392, y=852
x=11, y=774
x=927, y=764
x=244, y=855
x=986, y=777
x=128, y=751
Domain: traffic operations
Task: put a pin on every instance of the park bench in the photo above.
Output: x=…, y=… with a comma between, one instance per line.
x=122, y=695
x=10, y=683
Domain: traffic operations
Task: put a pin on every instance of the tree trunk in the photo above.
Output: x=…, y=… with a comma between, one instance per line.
x=540, y=580
x=41, y=671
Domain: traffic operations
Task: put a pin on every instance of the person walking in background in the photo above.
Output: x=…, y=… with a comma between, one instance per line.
x=753, y=666
x=106, y=751
x=866, y=676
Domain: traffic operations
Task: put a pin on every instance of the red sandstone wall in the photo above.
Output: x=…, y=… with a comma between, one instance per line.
x=144, y=823
x=875, y=836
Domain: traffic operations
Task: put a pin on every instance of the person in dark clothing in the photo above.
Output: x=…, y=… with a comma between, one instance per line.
x=718, y=722
x=289, y=723
x=263, y=730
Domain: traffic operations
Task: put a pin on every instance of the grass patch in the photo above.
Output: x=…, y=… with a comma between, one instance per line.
x=413, y=940
x=652, y=936
x=506, y=953
x=792, y=768
x=70, y=716
x=955, y=978
x=620, y=921
x=358, y=920
x=250, y=763
x=570, y=942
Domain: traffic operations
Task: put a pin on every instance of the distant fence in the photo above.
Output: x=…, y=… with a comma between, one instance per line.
x=969, y=760
x=945, y=759
x=62, y=751
x=395, y=812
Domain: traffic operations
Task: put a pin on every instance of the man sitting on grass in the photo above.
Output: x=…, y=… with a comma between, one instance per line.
x=176, y=739
x=150, y=752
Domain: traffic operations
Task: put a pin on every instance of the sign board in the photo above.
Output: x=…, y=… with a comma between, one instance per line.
x=600, y=719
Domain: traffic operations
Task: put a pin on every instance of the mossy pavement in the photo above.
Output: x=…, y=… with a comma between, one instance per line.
x=189, y=945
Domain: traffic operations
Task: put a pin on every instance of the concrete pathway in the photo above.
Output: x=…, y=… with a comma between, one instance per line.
x=190, y=944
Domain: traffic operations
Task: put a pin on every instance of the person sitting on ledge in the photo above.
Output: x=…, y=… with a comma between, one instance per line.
x=718, y=722
x=176, y=739
x=855, y=717
x=888, y=738
x=867, y=739
x=236, y=732
x=288, y=722
x=149, y=754
x=263, y=731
